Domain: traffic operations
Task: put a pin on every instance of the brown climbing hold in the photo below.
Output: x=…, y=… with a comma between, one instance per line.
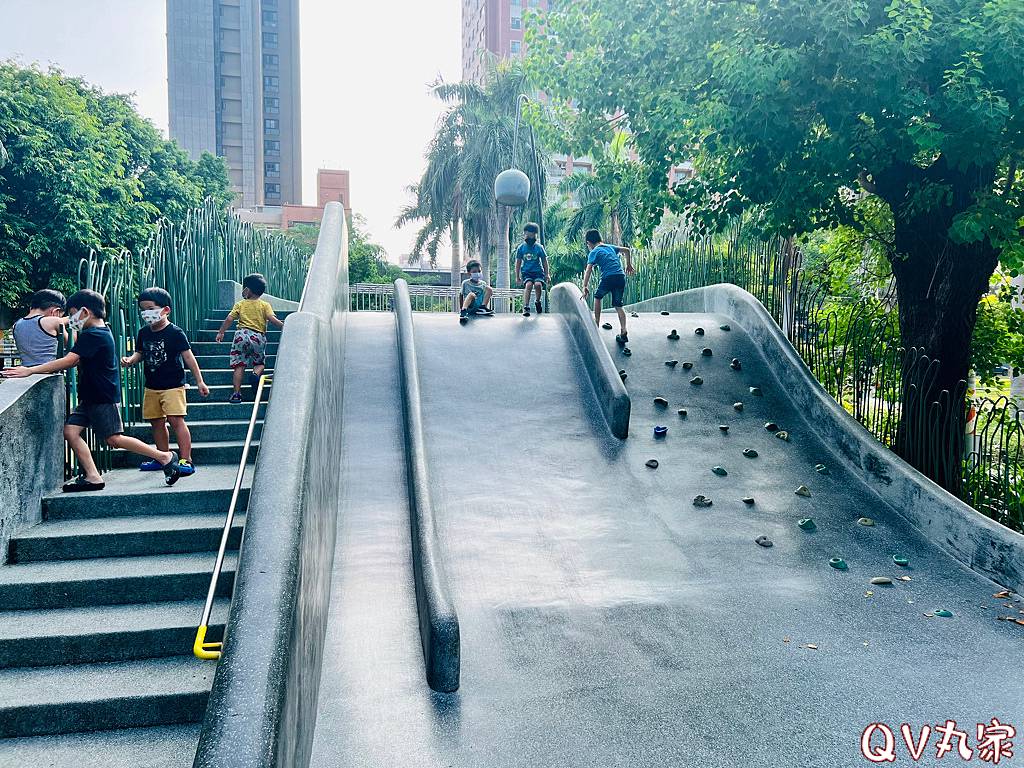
x=803, y=490
x=723, y=427
x=763, y=541
x=661, y=402
x=696, y=381
x=652, y=463
x=701, y=501
x=748, y=500
x=606, y=326
x=771, y=426
x=698, y=331
x=687, y=365
x=674, y=335
x=735, y=364
x=682, y=413
x=707, y=352
x=737, y=406
x=671, y=363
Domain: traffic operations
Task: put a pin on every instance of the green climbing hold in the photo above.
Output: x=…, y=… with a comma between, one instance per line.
x=701, y=501
x=652, y=463
x=756, y=392
x=879, y=581
x=807, y=524
x=606, y=326
x=735, y=364
x=674, y=336
x=750, y=453
x=821, y=469
x=866, y=522
x=720, y=471
x=838, y=563
x=687, y=366
x=901, y=560
x=782, y=435
x=943, y=613
x=748, y=500
x=763, y=541
x=671, y=363
x=737, y=406
x=682, y=412
x=771, y=426
x=803, y=490
x=661, y=402
x=696, y=381
x=707, y=352
x=725, y=327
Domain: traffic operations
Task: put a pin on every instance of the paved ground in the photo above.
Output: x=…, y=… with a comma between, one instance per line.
x=605, y=620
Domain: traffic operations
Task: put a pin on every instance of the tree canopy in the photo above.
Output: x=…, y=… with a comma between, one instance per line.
x=85, y=171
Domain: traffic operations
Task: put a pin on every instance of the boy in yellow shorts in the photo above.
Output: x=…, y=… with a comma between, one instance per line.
x=249, y=345
x=165, y=351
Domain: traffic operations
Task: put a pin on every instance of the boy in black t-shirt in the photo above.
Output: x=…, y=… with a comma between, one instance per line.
x=163, y=347
x=99, y=392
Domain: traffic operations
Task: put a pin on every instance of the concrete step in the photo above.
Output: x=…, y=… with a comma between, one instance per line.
x=217, y=315
x=205, y=410
x=164, y=746
x=203, y=454
x=104, y=633
x=214, y=323
x=224, y=361
x=215, y=376
x=206, y=348
x=219, y=393
x=112, y=581
x=130, y=536
x=36, y=701
x=273, y=335
x=131, y=492
x=208, y=431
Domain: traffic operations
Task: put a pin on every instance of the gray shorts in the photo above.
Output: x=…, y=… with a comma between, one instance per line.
x=104, y=419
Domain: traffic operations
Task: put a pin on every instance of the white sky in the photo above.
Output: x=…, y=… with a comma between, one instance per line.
x=365, y=71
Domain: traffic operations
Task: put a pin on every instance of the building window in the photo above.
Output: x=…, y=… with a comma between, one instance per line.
x=271, y=145
x=270, y=124
x=271, y=59
x=270, y=17
x=517, y=22
x=272, y=169
x=271, y=104
x=272, y=189
x=270, y=81
x=516, y=47
x=270, y=3
x=270, y=39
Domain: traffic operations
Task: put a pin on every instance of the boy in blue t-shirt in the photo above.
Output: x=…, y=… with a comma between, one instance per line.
x=613, y=277
x=531, y=267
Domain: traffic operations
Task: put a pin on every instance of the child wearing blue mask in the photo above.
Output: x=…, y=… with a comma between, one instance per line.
x=613, y=277
x=531, y=267
x=476, y=293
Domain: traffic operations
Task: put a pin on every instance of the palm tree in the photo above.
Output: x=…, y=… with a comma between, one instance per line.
x=610, y=198
x=472, y=145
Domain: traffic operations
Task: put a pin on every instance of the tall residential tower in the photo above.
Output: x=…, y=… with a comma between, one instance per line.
x=495, y=27
x=234, y=90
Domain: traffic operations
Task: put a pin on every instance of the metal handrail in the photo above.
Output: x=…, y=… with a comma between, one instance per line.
x=200, y=647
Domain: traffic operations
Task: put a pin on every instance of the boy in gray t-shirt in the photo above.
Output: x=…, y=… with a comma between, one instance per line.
x=476, y=293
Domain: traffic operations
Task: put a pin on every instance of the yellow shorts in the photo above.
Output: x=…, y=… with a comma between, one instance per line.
x=157, y=403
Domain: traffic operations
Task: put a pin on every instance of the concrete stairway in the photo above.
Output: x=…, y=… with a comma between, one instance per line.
x=100, y=601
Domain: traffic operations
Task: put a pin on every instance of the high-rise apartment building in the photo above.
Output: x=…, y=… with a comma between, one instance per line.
x=494, y=27
x=234, y=90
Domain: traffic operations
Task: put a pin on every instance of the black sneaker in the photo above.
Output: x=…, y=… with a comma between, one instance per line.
x=463, y=317
x=526, y=311
x=622, y=339
x=171, y=469
x=540, y=310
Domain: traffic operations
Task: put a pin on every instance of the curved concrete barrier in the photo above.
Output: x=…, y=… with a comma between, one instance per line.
x=439, y=624
x=977, y=541
x=566, y=299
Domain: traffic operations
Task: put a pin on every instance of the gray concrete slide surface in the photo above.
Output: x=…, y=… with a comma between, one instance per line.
x=605, y=620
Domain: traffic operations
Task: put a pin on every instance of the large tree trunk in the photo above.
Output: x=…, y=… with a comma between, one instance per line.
x=502, y=255
x=456, y=263
x=939, y=283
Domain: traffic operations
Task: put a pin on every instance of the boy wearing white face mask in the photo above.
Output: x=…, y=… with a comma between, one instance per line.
x=99, y=393
x=165, y=350
x=476, y=293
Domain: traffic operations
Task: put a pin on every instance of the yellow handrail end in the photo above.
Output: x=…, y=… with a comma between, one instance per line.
x=203, y=649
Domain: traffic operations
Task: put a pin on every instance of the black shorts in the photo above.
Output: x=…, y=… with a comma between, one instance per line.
x=104, y=419
x=613, y=284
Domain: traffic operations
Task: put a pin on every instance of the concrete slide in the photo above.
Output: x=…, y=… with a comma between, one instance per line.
x=605, y=620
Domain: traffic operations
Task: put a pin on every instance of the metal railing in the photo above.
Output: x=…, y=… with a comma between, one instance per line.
x=200, y=647
x=374, y=297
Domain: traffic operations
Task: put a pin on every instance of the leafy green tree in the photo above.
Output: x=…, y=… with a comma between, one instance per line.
x=85, y=172
x=791, y=104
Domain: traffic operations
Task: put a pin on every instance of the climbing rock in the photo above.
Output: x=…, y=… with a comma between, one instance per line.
x=880, y=580
x=606, y=326
x=782, y=435
x=664, y=312
x=723, y=427
x=674, y=336
x=748, y=500
x=750, y=453
x=701, y=501
x=707, y=352
x=698, y=331
x=821, y=469
x=660, y=431
x=720, y=471
x=807, y=524
x=838, y=563
x=725, y=327
x=671, y=363
x=866, y=521
x=652, y=463
x=661, y=402
x=942, y=613
x=735, y=364
x=900, y=560
x=771, y=426
x=803, y=490
x=737, y=406
x=687, y=365
x=763, y=541
x=696, y=381
x=756, y=392
x=682, y=413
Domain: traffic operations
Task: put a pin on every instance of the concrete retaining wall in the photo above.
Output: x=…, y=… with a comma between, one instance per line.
x=566, y=299
x=977, y=541
x=31, y=449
